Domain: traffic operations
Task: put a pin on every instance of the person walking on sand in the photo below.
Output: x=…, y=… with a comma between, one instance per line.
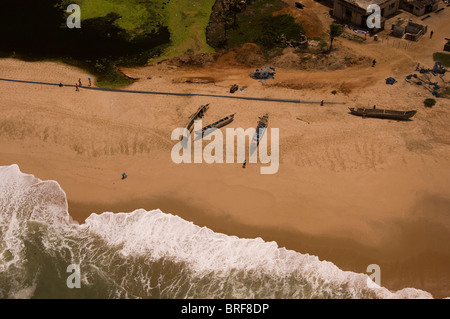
x=245, y=163
x=79, y=82
x=321, y=103
x=431, y=34
x=89, y=81
x=374, y=107
x=76, y=87
x=373, y=62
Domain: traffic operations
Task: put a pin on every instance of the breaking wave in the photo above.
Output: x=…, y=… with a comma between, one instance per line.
x=149, y=254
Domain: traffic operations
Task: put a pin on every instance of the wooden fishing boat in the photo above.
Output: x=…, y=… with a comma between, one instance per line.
x=220, y=123
x=195, y=116
x=261, y=129
x=382, y=113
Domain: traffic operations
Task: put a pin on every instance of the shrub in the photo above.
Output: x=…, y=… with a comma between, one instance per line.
x=444, y=58
x=429, y=102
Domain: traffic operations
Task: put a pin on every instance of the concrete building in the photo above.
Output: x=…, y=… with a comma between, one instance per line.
x=355, y=13
x=399, y=27
x=419, y=7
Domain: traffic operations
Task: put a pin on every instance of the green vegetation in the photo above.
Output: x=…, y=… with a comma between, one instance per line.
x=258, y=25
x=334, y=92
x=442, y=57
x=186, y=20
x=113, y=33
x=136, y=16
x=335, y=31
x=429, y=102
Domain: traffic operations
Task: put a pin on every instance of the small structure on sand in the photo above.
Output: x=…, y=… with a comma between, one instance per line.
x=410, y=30
x=399, y=27
x=414, y=31
x=234, y=88
x=263, y=74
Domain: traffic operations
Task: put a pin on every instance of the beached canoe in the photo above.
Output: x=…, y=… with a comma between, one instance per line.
x=261, y=128
x=195, y=116
x=382, y=113
x=220, y=123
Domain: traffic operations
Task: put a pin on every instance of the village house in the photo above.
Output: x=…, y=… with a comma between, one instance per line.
x=419, y=7
x=410, y=30
x=354, y=12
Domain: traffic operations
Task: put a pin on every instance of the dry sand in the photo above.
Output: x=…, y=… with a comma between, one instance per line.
x=350, y=190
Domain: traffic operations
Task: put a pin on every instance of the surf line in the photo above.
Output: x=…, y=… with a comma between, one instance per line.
x=180, y=94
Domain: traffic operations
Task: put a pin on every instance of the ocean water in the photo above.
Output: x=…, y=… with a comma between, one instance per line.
x=149, y=254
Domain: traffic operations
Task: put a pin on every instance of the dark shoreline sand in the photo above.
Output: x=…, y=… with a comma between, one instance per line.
x=426, y=270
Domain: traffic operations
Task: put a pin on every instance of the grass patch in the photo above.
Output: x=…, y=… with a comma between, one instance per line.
x=113, y=33
x=136, y=16
x=185, y=19
x=442, y=57
x=256, y=24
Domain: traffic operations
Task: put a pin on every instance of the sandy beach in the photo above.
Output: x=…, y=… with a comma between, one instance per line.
x=352, y=191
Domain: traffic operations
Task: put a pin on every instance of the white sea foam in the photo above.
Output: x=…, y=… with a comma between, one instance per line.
x=123, y=249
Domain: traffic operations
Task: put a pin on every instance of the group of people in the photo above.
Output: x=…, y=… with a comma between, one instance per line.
x=77, y=85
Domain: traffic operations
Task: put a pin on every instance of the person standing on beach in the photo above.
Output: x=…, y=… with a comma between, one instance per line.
x=89, y=81
x=321, y=103
x=373, y=62
x=76, y=87
x=79, y=82
x=245, y=163
x=431, y=34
